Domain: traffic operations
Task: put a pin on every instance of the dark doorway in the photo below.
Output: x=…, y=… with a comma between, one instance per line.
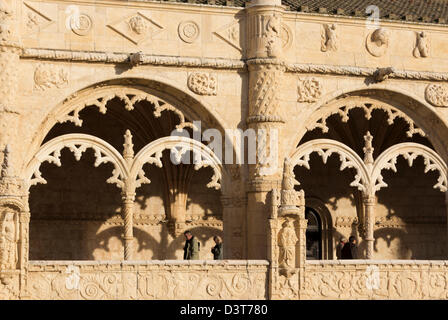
x=313, y=235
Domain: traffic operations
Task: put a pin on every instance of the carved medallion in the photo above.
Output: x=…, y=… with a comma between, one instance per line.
x=188, y=31
x=203, y=83
x=309, y=90
x=377, y=42
x=437, y=95
x=82, y=25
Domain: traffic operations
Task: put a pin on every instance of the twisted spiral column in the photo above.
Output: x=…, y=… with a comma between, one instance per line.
x=128, y=216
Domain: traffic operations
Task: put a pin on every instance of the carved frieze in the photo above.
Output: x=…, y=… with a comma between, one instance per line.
x=202, y=83
x=48, y=76
x=437, y=95
x=309, y=90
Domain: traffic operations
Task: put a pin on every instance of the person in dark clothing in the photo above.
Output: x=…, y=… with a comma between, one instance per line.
x=350, y=250
x=217, y=249
x=192, y=247
x=339, y=247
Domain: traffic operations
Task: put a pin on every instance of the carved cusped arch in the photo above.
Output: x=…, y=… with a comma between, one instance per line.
x=368, y=105
x=152, y=154
x=325, y=148
x=128, y=95
x=77, y=144
x=410, y=151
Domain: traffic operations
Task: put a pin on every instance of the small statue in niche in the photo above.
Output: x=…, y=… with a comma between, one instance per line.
x=8, y=240
x=329, y=38
x=287, y=240
x=421, y=49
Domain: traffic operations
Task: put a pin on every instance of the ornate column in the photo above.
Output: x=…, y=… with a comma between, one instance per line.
x=369, y=202
x=128, y=198
x=14, y=235
x=286, y=237
x=9, y=60
x=369, y=198
x=265, y=116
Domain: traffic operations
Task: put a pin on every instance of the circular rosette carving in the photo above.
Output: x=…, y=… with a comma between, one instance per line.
x=81, y=25
x=91, y=290
x=240, y=284
x=188, y=31
x=377, y=42
x=437, y=95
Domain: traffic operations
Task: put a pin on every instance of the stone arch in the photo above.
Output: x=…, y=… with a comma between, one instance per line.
x=410, y=151
x=418, y=111
x=77, y=144
x=175, y=98
x=325, y=148
x=152, y=154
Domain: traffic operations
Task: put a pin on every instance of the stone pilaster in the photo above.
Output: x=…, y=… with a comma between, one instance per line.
x=9, y=61
x=369, y=202
x=265, y=116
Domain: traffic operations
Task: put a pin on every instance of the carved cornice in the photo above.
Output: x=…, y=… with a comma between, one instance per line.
x=144, y=59
x=217, y=63
x=364, y=72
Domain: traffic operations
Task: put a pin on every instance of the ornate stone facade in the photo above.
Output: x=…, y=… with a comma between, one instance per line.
x=109, y=124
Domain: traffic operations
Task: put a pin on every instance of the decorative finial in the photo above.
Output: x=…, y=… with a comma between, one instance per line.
x=368, y=149
x=128, y=152
x=6, y=169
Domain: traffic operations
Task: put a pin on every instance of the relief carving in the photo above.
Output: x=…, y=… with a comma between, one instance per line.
x=188, y=31
x=137, y=28
x=437, y=95
x=203, y=83
x=49, y=76
x=9, y=237
x=329, y=38
x=377, y=42
x=309, y=90
x=287, y=240
x=272, y=35
x=422, y=45
x=81, y=26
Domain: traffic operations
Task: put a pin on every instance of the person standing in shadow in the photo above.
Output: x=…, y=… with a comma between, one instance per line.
x=217, y=249
x=339, y=247
x=192, y=247
x=350, y=250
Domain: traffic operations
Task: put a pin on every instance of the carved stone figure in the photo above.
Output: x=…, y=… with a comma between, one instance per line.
x=421, y=49
x=377, y=42
x=272, y=34
x=287, y=240
x=329, y=38
x=8, y=238
x=138, y=25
